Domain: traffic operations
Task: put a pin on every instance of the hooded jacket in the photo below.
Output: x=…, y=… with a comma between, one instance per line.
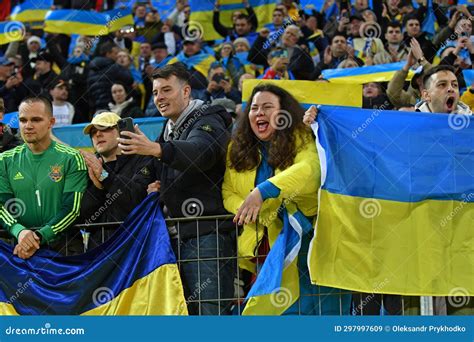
x=192, y=166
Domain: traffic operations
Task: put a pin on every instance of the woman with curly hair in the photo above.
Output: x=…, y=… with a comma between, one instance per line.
x=273, y=170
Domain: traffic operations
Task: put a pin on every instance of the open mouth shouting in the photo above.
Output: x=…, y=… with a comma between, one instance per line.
x=450, y=104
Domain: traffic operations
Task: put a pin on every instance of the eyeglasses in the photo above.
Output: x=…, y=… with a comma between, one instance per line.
x=94, y=130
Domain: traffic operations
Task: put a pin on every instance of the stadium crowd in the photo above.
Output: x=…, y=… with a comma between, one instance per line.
x=164, y=67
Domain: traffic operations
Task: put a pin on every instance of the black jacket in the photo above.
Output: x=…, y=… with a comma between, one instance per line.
x=192, y=170
x=7, y=139
x=124, y=189
x=103, y=72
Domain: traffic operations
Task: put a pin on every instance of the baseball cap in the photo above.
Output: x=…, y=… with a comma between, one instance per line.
x=102, y=121
x=419, y=72
x=57, y=83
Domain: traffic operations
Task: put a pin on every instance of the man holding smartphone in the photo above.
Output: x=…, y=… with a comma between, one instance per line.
x=190, y=154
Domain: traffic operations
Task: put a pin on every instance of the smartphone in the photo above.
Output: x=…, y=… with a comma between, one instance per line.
x=125, y=124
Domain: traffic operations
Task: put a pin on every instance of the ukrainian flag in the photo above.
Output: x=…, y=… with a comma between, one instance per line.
x=396, y=203
x=118, y=18
x=201, y=62
x=11, y=31
x=310, y=92
x=31, y=10
x=81, y=22
x=365, y=74
x=202, y=11
x=277, y=286
x=133, y=273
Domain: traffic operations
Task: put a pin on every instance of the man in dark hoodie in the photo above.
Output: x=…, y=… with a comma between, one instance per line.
x=191, y=154
x=103, y=73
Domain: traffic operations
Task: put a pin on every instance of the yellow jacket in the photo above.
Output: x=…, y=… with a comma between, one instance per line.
x=298, y=185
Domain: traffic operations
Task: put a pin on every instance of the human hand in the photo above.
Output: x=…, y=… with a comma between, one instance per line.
x=249, y=210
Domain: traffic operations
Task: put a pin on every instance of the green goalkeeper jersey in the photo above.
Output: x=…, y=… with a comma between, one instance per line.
x=41, y=191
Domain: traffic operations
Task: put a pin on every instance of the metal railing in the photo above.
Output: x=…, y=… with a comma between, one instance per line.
x=241, y=280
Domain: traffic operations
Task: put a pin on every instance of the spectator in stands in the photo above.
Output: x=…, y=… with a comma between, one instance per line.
x=191, y=156
x=413, y=30
x=373, y=97
x=8, y=140
x=278, y=17
x=266, y=166
x=63, y=111
x=140, y=14
x=75, y=73
x=459, y=26
x=440, y=92
x=138, y=89
x=160, y=55
x=44, y=76
x=29, y=56
x=153, y=26
x=242, y=24
x=123, y=104
x=395, y=89
x=145, y=56
x=395, y=50
x=313, y=34
x=180, y=15
x=300, y=62
x=113, y=176
x=359, y=36
x=459, y=56
x=219, y=85
x=103, y=72
x=278, y=66
x=334, y=55
x=54, y=202
x=12, y=89
x=235, y=66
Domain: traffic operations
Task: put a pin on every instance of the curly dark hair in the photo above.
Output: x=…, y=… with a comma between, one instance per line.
x=244, y=151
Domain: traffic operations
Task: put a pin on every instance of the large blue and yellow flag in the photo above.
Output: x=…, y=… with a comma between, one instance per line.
x=31, y=10
x=87, y=22
x=11, y=31
x=396, y=204
x=133, y=273
x=202, y=11
x=365, y=74
x=310, y=92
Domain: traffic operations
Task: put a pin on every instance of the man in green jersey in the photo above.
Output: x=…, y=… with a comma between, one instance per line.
x=41, y=182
